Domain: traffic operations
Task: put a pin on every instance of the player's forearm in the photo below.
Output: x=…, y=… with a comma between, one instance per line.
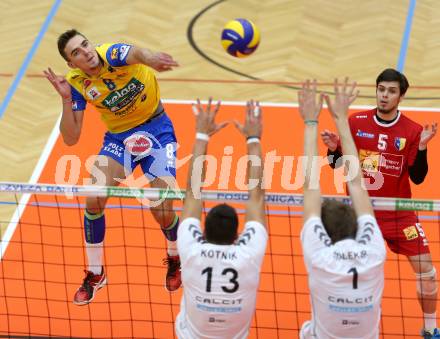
x=311, y=174
x=197, y=169
x=69, y=126
x=419, y=169
x=312, y=192
x=349, y=148
x=359, y=196
x=255, y=171
x=144, y=56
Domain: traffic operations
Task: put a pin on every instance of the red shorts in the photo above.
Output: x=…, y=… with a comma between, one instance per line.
x=404, y=236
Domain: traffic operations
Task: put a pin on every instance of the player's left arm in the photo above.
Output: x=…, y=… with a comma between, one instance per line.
x=309, y=109
x=419, y=167
x=205, y=127
x=252, y=130
x=157, y=60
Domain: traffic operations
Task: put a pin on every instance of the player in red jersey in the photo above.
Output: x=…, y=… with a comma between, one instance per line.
x=393, y=149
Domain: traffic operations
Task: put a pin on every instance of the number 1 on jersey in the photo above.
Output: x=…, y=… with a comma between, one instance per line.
x=355, y=277
x=208, y=271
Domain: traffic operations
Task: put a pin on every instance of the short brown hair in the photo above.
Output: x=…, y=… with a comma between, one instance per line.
x=390, y=74
x=339, y=220
x=221, y=225
x=64, y=38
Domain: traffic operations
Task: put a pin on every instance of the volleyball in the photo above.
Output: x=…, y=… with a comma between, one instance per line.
x=240, y=38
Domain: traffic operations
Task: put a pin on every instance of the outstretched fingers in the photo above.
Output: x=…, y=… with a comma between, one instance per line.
x=197, y=107
x=353, y=94
x=208, y=106
x=434, y=128
x=328, y=102
x=216, y=108
x=336, y=86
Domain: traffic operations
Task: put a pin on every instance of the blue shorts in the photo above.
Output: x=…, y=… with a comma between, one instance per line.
x=151, y=145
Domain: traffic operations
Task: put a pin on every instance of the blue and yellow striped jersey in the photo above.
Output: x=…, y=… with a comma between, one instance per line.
x=125, y=95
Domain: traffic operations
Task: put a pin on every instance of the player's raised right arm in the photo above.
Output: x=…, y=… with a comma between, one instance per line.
x=344, y=96
x=159, y=61
x=205, y=127
x=252, y=129
x=71, y=122
x=310, y=105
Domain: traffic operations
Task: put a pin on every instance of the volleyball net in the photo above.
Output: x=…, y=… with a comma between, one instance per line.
x=43, y=257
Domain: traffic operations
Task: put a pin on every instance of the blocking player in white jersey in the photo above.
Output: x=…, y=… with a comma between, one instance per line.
x=221, y=269
x=343, y=246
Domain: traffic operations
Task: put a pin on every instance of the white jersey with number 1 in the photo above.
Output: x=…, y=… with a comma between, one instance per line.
x=346, y=281
x=220, y=282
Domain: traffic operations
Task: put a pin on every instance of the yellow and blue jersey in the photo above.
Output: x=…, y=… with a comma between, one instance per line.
x=125, y=95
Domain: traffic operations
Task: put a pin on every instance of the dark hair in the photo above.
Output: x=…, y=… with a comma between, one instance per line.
x=339, y=220
x=64, y=38
x=390, y=74
x=221, y=225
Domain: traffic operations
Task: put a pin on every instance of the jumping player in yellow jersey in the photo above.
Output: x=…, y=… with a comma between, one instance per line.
x=118, y=80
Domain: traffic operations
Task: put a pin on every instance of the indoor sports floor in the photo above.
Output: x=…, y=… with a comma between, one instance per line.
x=44, y=261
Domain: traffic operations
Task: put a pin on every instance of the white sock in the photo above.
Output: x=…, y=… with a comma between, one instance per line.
x=94, y=256
x=172, y=248
x=430, y=320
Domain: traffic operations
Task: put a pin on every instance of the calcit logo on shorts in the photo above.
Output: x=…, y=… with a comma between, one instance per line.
x=410, y=233
x=138, y=144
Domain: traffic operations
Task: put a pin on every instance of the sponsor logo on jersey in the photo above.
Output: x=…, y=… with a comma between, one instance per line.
x=400, y=143
x=386, y=163
x=87, y=83
x=123, y=51
x=138, y=144
x=214, y=320
x=93, y=93
x=361, y=117
x=369, y=160
x=114, y=53
x=364, y=134
x=350, y=300
x=410, y=233
x=120, y=98
x=391, y=164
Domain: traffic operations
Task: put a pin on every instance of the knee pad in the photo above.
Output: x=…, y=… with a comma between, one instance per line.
x=427, y=282
x=94, y=227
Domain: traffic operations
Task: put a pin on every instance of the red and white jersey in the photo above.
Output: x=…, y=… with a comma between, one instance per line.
x=386, y=150
x=220, y=282
x=346, y=280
